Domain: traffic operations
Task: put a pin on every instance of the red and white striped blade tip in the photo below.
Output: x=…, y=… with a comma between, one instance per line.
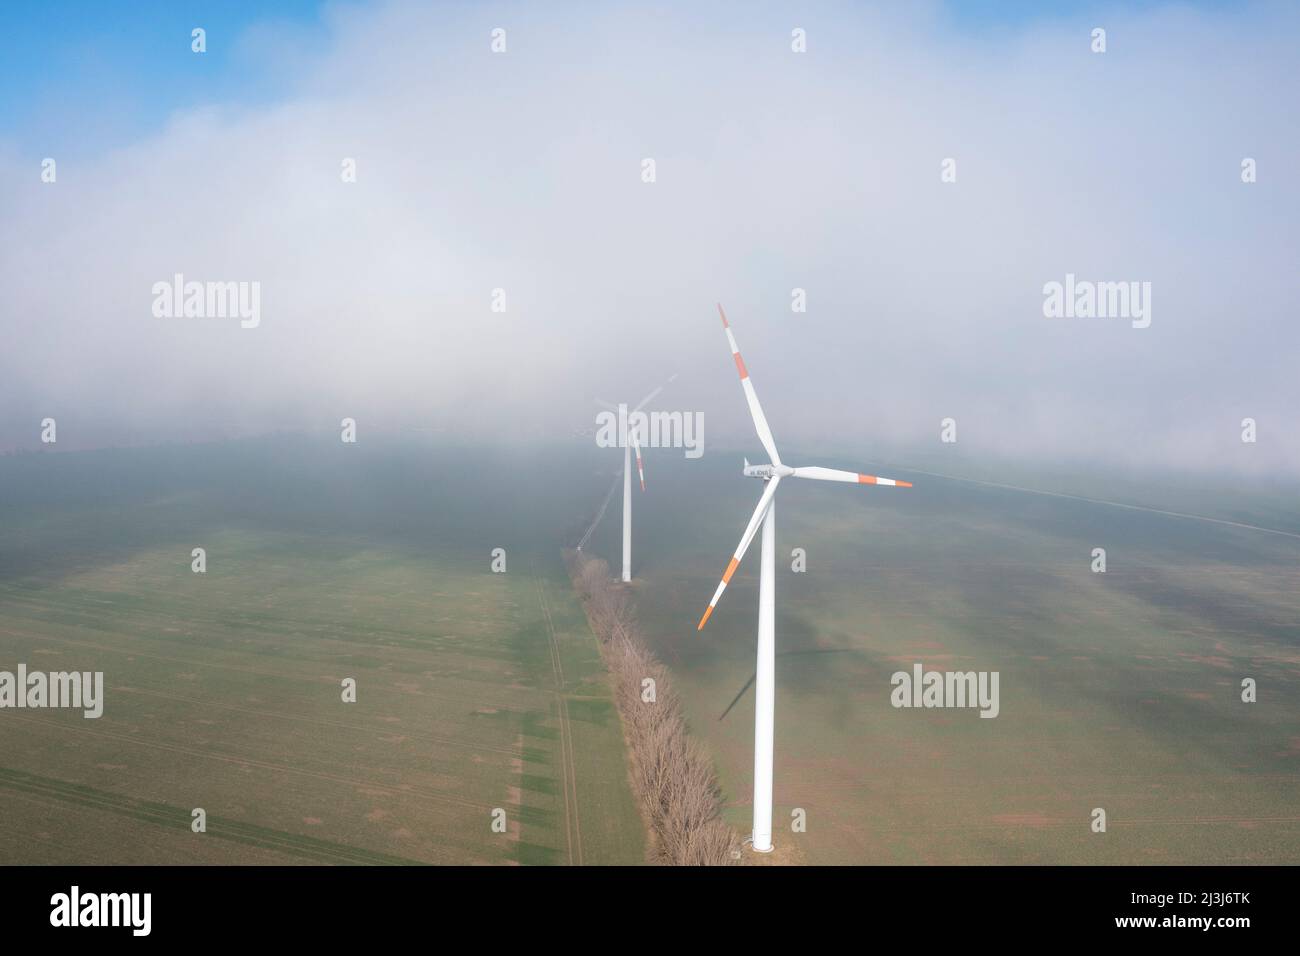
x=818, y=473
x=875, y=480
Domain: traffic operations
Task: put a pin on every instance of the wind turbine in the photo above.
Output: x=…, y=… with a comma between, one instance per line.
x=628, y=435
x=765, y=672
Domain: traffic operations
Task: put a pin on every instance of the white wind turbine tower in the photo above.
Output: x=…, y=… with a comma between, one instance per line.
x=628, y=435
x=765, y=672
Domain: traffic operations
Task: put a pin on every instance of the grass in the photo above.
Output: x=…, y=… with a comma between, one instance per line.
x=476, y=690
x=1118, y=690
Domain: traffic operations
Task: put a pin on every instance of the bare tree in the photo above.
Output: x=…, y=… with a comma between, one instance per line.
x=672, y=775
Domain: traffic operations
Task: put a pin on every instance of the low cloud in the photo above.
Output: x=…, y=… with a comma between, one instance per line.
x=775, y=170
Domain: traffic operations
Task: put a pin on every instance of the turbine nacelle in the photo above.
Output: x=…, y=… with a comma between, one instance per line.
x=767, y=471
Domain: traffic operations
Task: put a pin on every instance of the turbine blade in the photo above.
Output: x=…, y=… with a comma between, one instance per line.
x=636, y=447
x=755, y=409
x=834, y=474
x=642, y=404
x=760, y=512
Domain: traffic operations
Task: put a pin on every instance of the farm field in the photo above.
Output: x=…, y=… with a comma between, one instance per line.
x=478, y=691
x=1118, y=690
x=475, y=690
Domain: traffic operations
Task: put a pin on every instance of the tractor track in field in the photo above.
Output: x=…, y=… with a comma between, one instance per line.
x=572, y=829
x=44, y=790
x=223, y=666
x=321, y=722
x=433, y=795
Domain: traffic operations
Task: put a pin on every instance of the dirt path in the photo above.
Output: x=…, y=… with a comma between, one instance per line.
x=572, y=828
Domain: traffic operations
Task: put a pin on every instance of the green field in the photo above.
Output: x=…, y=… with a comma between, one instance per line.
x=1118, y=690
x=480, y=690
x=475, y=690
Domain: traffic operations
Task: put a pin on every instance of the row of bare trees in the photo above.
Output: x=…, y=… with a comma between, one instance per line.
x=672, y=775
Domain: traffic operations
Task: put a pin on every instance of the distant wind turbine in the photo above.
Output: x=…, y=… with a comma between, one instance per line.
x=630, y=441
x=765, y=672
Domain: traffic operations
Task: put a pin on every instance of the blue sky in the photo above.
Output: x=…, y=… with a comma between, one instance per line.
x=78, y=75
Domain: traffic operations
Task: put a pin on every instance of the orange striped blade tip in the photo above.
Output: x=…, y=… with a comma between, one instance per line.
x=871, y=480
x=724, y=316
x=707, y=612
x=643, y=484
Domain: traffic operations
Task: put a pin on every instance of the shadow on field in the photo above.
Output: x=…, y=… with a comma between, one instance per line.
x=752, y=677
